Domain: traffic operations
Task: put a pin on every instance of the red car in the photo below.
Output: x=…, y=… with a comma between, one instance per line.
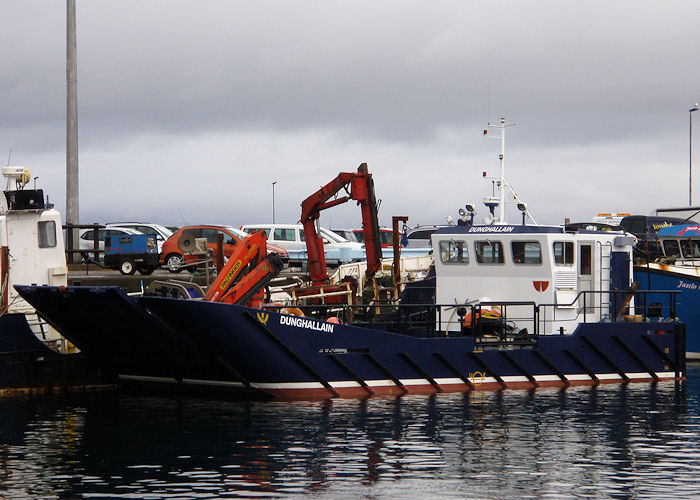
x=174, y=260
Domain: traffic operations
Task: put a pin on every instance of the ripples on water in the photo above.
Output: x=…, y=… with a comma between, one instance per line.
x=638, y=440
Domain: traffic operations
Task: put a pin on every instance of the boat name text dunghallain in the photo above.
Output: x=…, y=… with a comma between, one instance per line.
x=306, y=323
x=491, y=229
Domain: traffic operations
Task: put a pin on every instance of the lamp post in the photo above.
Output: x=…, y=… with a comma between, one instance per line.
x=690, y=154
x=273, y=201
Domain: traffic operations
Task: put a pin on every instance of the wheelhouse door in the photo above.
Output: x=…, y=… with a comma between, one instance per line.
x=586, y=274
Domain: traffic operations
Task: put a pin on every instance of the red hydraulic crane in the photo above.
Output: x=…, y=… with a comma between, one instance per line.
x=248, y=270
x=361, y=190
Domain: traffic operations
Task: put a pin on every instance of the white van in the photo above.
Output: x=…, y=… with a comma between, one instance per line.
x=291, y=238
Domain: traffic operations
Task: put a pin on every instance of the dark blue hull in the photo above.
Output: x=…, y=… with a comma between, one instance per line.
x=688, y=303
x=27, y=366
x=202, y=344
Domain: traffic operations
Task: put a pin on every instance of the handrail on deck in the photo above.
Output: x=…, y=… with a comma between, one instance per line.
x=435, y=319
x=642, y=295
x=414, y=317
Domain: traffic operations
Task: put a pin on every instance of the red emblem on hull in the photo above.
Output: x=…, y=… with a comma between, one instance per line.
x=541, y=286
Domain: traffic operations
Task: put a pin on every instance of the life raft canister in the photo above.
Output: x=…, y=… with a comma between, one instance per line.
x=483, y=313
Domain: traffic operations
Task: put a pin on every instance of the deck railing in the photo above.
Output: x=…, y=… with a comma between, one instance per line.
x=427, y=320
x=510, y=322
x=590, y=306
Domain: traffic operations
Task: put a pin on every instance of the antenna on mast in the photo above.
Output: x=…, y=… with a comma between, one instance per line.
x=488, y=103
x=501, y=182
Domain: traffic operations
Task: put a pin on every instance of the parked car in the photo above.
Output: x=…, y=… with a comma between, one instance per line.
x=86, y=239
x=174, y=260
x=348, y=234
x=337, y=241
x=291, y=238
x=162, y=233
x=386, y=236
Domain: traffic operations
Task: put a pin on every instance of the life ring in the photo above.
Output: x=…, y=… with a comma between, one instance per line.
x=294, y=311
x=477, y=378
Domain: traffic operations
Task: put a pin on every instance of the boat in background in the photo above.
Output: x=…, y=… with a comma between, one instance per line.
x=678, y=268
x=34, y=357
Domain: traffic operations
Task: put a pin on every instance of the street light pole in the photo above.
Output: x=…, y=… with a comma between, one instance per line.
x=72, y=195
x=690, y=154
x=273, y=201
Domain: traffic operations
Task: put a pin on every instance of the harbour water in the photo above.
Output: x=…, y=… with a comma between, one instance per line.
x=639, y=440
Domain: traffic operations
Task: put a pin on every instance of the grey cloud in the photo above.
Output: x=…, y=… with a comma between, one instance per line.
x=398, y=71
x=306, y=89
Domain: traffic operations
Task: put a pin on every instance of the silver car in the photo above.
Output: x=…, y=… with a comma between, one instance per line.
x=86, y=239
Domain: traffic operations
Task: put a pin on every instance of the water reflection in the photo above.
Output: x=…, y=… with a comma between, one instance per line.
x=636, y=440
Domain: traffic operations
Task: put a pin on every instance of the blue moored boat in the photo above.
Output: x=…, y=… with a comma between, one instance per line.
x=678, y=269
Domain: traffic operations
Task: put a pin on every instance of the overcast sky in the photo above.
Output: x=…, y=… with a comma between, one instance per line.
x=188, y=111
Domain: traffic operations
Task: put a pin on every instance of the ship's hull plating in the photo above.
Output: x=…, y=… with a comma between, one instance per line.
x=195, y=344
x=666, y=277
x=27, y=366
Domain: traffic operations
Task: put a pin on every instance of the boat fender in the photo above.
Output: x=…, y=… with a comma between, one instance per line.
x=294, y=311
x=333, y=319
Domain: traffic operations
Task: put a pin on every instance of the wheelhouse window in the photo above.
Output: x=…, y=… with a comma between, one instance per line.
x=563, y=253
x=691, y=249
x=671, y=248
x=47, y=234
x=454, y=252
x=635, y=225
x=526, y=252
x=489, y=252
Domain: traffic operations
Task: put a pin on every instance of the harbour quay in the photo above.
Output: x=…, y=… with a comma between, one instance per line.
x=94, y=275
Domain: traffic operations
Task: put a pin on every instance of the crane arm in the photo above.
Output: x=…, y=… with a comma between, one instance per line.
x=248, y=270
x=361, y=190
